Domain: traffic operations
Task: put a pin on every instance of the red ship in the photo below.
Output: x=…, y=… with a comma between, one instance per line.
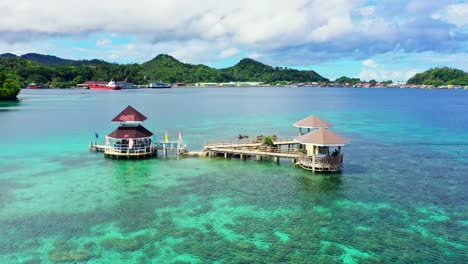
x=34, y=86
x=103, y=85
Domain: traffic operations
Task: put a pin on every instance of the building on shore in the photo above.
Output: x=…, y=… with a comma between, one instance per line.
x=229, y=84
x=130, y=139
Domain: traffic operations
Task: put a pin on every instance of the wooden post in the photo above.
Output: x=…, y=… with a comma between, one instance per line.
x=225, y=155
x=276, y=160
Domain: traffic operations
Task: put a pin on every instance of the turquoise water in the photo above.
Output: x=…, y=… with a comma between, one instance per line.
x=402, y=197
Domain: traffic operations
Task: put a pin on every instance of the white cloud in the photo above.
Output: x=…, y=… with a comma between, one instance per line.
x=262, y=23
x=103, y=42
x=227, y=53
x=367, y=10
x=373, y=71
x=383, y=74
x=254, y=55
x=456, y=14
x=370, y=63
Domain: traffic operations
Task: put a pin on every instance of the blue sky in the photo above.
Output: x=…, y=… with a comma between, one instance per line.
x=385, y=39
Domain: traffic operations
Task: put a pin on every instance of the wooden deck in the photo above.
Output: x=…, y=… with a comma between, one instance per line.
x=140, y=153
x=247, y=150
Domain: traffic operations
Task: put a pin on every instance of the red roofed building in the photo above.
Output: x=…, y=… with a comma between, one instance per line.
x=130, y=139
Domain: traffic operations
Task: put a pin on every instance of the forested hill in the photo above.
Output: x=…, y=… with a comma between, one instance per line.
x=440, y=76
x=57, y=72
x=249, y=69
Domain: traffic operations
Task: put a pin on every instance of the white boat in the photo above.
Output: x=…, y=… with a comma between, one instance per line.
x=126, y=85
x=159, y=85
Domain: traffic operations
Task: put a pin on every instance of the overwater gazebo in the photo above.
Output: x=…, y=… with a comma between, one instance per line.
x=310, y=123
x=130, y=139
x=321, y=150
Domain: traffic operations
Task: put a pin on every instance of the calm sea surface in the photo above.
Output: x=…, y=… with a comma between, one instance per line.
x=402, y=197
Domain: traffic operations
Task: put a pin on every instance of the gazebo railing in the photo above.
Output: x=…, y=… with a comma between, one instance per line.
x=316, y=161
x=124, y=148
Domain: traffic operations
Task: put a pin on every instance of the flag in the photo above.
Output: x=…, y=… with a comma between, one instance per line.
x=180, y=137
x=166, y=138
x=96, y=134
x=130, y=143
x=107, y=141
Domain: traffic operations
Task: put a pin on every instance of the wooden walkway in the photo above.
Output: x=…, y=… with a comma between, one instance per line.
x=257, y=150
x=290, y=155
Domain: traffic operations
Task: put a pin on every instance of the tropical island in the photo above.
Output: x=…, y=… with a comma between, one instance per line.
x=54, y=72
x=62, y=73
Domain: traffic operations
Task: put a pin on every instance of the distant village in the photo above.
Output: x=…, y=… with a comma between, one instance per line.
x=325, y=84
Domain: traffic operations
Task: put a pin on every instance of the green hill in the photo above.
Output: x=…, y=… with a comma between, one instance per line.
x=57, y=72
x=166, y=68
x=440, y=76
x=8, y=55
x=46, y=59
x=351, y=81
x=251, y=70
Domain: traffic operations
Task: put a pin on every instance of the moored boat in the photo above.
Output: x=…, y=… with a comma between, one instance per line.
x=98, y=85
x=34, y=86
x=126, y=85
x=159, y=85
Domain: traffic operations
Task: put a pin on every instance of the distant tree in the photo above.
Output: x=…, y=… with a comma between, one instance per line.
x=344, y=80
x=9, y=86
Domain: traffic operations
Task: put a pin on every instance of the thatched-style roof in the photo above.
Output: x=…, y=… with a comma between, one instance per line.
x=312, y=122
x=322, y=137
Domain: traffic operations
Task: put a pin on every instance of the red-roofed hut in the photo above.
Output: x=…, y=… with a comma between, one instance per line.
x=130, y=139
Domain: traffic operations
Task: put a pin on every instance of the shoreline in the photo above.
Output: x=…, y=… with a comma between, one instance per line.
x=267, y=86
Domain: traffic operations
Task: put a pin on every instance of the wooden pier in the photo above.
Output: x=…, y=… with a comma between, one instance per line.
x=257, y=150
x=316, y=149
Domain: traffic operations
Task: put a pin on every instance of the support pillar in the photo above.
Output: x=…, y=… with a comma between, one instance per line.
x=225, y=155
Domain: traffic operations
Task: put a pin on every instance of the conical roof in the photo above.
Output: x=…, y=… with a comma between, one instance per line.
x=312, y=122
x=322, y=137
x=130, y=132
x=129, y=114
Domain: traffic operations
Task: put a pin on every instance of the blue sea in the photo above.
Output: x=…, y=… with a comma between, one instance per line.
x=401, y=198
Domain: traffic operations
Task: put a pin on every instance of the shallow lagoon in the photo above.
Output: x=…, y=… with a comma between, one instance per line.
x=402, y=197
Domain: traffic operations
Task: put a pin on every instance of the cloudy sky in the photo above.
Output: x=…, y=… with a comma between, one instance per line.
x=370, y=39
